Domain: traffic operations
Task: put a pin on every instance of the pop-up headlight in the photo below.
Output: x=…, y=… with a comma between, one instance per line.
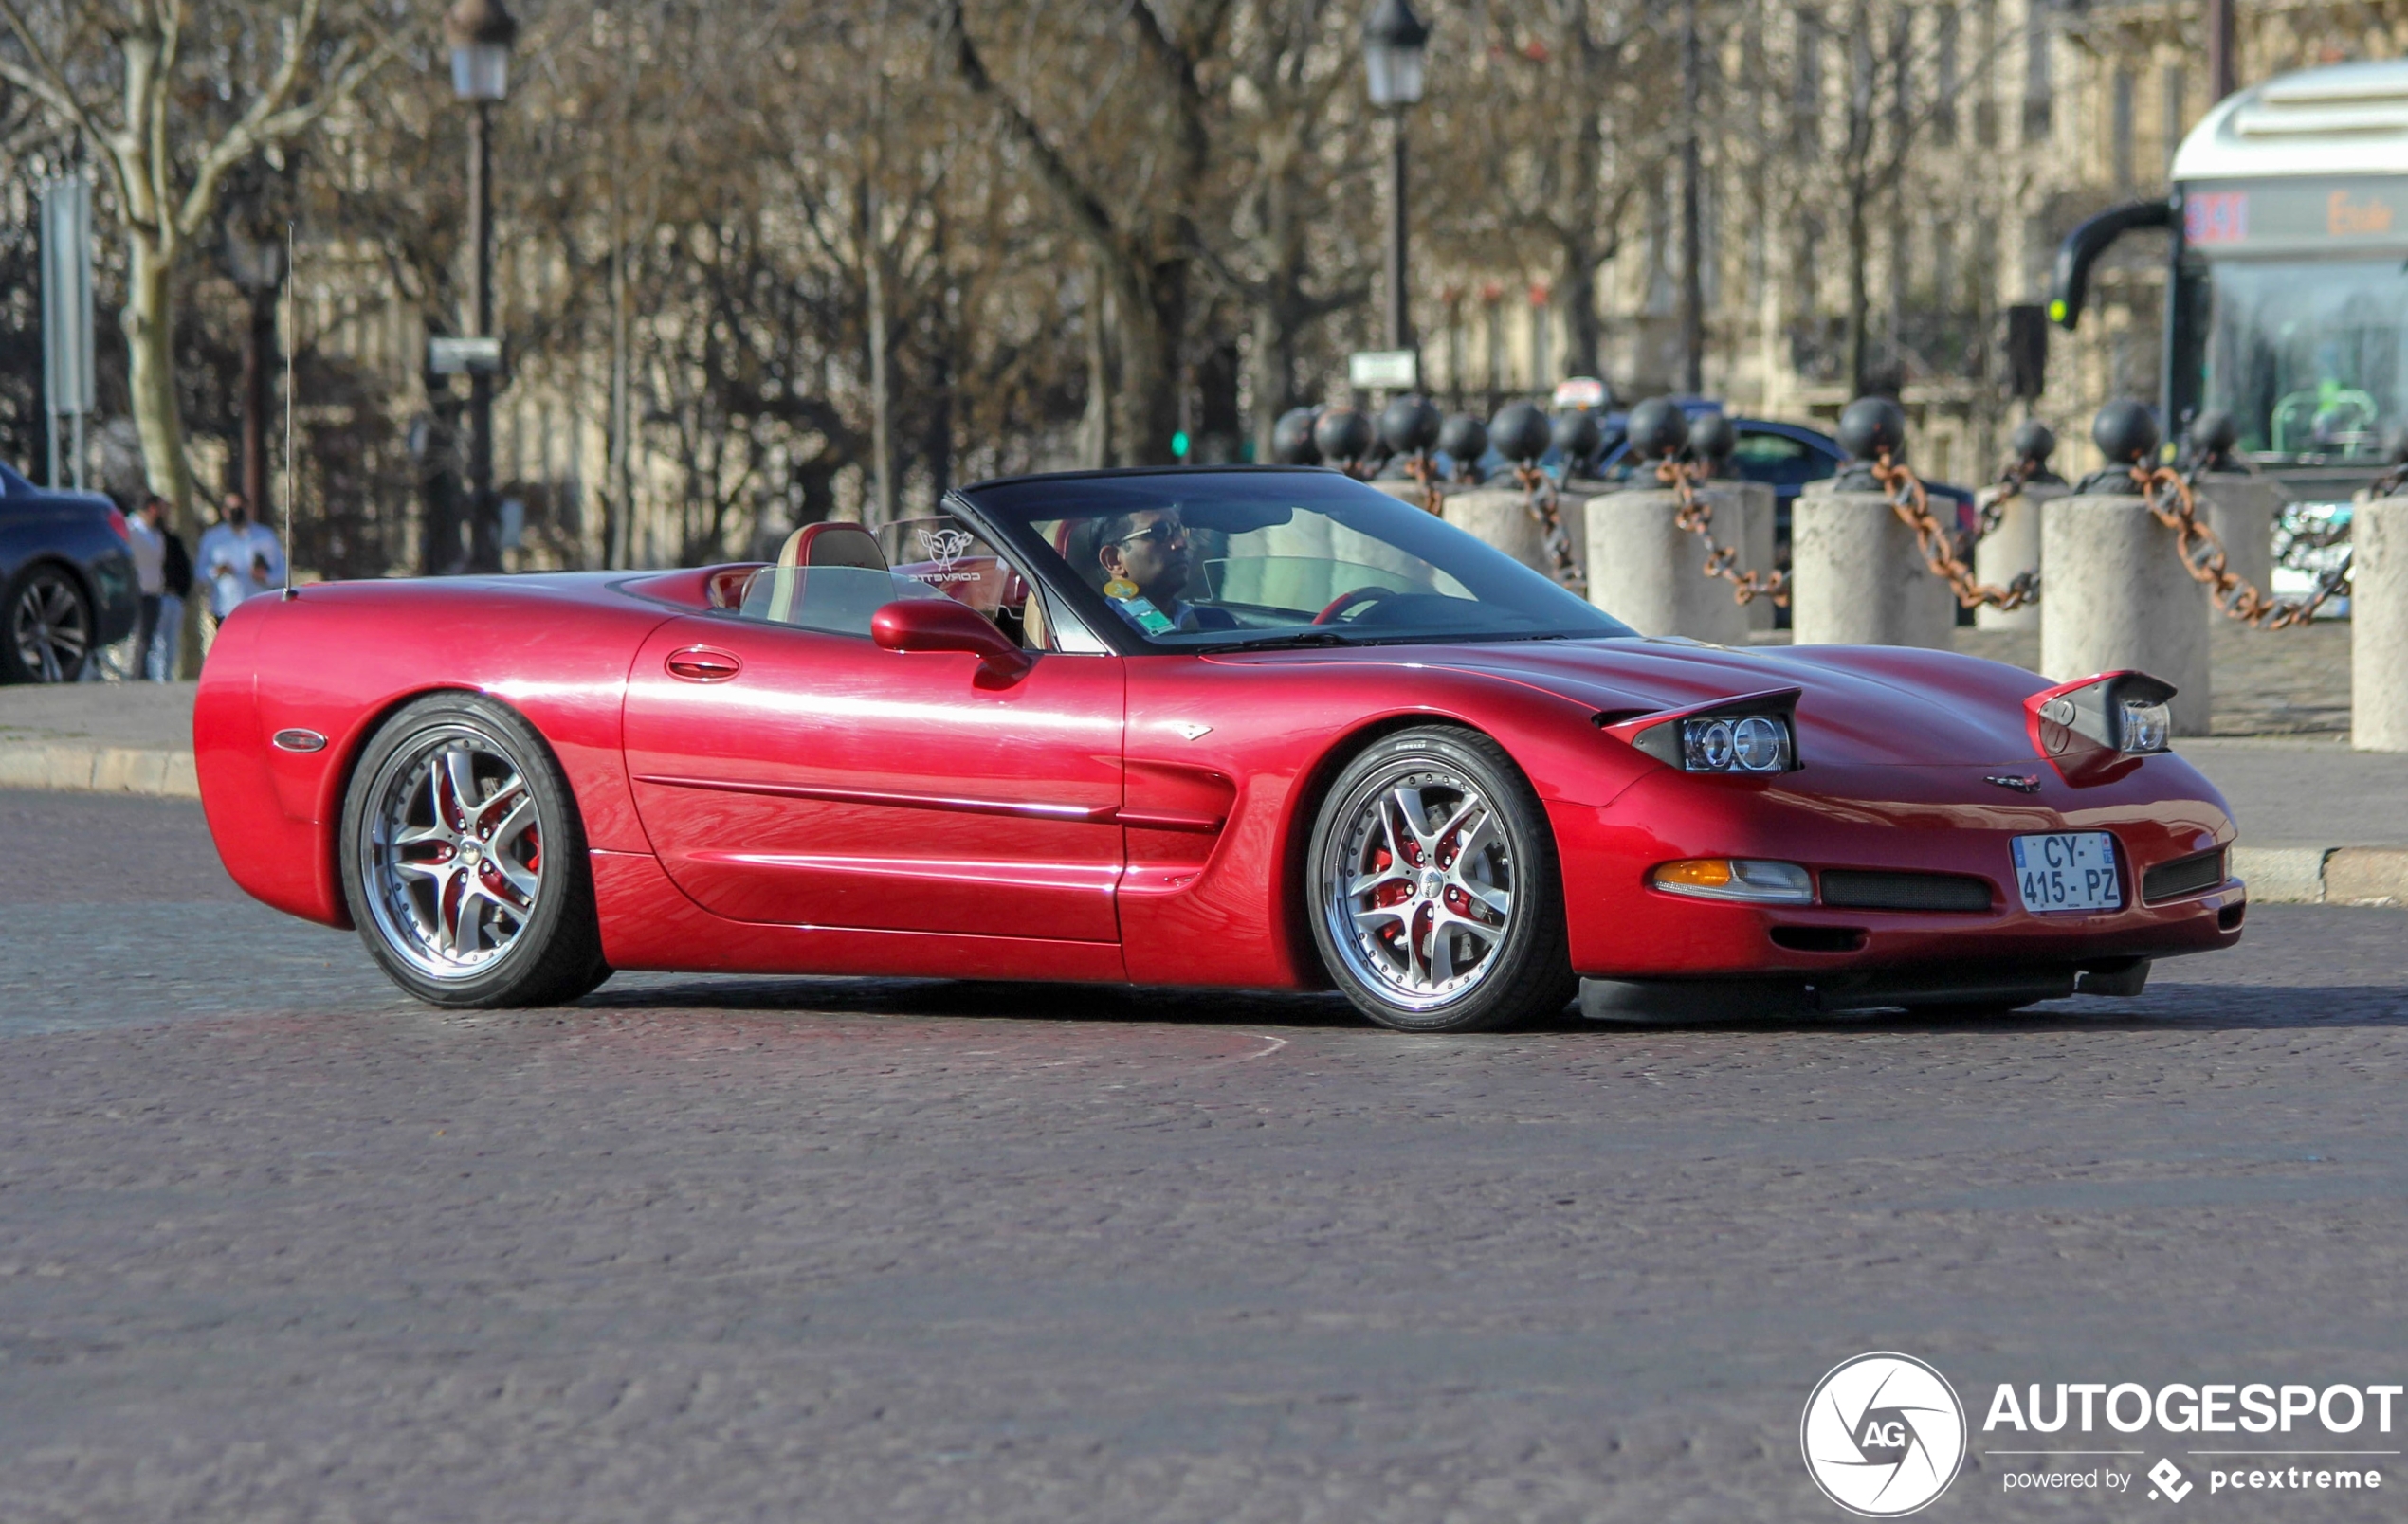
x=2098, y=728
x=1750, y=735
x=1747, y=743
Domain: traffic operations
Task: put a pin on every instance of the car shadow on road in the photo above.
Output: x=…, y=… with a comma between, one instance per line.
x=2162, y=1007
x=956, y=998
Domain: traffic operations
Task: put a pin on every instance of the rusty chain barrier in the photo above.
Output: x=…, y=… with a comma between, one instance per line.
x=1993, y=503
x=1697, y=515
x=1418, y=466
x=1538, y=497
x=2202, y=555
x=1912, y=504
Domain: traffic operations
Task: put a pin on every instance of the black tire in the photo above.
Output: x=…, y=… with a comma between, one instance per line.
x=47, y=626
x=528, y=886
x=1517, y=965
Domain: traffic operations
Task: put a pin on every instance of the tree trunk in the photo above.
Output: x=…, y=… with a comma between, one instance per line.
x=150, y=341
x=1150, y=359
x=1271, y=375
x=148, y=316
x=881, y=435
x=619, y=553
x=1095, y=430
x=1576, y=292
x=1859, y=297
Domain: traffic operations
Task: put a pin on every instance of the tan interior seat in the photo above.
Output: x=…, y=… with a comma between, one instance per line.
x=783, y=593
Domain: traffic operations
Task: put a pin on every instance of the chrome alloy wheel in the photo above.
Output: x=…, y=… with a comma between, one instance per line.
x=49, y=629
x=451, y=853
x=1417, y=888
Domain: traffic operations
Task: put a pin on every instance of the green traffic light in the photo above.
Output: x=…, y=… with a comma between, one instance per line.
x=2056, y=312
x=1179, y=445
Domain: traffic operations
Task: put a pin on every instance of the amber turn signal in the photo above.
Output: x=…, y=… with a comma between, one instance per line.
x=1750, y=880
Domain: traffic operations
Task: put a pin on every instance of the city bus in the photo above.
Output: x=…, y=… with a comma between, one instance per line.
x=2288, y=302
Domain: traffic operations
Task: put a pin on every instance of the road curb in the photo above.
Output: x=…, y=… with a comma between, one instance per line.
x=2324, y=875
x=85, y=769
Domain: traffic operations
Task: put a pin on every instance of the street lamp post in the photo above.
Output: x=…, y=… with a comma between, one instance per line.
x=481, y=32
x=1394, y=41
x=254, y=259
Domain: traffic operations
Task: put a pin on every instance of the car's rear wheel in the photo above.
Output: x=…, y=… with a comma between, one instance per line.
x=1437, y=904
x=464, y=860
x=49, y=626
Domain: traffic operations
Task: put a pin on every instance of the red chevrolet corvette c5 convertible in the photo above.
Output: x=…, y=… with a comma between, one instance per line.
x=1251, y=728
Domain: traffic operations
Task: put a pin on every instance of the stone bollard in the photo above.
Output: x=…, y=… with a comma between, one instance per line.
x=2013, y=549
x=2379, y=625
x=2117, y=598
x=2242, y=509
x=1498, y=514
x=1648, y=572
x=1744, y=520
x=1858, y=578
x=1572, y=502
x=1571, y=506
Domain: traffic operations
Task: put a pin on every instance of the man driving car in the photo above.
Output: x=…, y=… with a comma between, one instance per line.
x=1144, y=554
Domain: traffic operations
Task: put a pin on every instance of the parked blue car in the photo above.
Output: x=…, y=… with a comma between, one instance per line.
x=1785, y=457
x=66, y=580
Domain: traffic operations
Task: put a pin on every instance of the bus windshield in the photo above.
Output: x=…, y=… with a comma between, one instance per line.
x=2308, y=354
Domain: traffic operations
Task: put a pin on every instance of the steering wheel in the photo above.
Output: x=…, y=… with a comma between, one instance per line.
x=1353, y=598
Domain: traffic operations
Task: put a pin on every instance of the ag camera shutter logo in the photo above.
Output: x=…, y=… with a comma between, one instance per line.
x=1883, y=1435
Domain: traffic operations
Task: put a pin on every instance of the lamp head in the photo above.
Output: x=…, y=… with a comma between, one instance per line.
x=1394, y=43
x=481, y=33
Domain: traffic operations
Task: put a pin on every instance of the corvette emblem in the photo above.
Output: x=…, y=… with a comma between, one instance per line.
x=2024, y=783
x=944, y=546
x=1190, y=730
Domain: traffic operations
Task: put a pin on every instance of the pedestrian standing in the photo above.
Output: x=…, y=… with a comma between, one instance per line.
x=148, y=544
x=239, y=560
x=160, y=653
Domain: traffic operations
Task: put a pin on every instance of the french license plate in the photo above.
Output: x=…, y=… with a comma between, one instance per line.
x=2068, y=870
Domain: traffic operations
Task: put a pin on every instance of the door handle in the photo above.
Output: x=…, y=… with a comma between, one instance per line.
x=699, y=664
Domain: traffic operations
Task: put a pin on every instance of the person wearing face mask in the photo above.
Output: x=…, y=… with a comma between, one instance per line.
x=239, y=560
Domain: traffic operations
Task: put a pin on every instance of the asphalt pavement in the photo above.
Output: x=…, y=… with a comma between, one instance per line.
x=277, y=1244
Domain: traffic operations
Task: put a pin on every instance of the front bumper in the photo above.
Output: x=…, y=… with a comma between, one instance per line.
x=1914, y=820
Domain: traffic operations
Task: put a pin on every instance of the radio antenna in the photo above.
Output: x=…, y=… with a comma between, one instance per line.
x=289, y=593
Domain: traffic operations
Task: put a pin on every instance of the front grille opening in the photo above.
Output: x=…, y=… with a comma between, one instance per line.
x=2229, y=918
x=1858, y=889
x=1820, y=938
x=2183, y=876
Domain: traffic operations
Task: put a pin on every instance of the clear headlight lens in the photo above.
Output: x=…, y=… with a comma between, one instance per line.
x=1750, y=743
x=2145, y=726
x=1753, y=880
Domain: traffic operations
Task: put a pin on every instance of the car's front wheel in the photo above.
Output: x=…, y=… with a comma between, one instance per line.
x=1437, y=902
x=49, y=628
x=463, y=861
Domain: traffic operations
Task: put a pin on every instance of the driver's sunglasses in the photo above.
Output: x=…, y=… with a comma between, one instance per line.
x=1161, y=532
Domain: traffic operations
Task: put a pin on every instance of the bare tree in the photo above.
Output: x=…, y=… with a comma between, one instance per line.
x=167, y=152
x=1145, y=246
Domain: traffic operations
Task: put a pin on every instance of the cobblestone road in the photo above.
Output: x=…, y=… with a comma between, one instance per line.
x=275, y=1245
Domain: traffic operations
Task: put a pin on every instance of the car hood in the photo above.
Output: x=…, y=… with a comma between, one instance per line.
x=1857, y=704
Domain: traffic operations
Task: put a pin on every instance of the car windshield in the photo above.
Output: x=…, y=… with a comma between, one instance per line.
x=1262, y=558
